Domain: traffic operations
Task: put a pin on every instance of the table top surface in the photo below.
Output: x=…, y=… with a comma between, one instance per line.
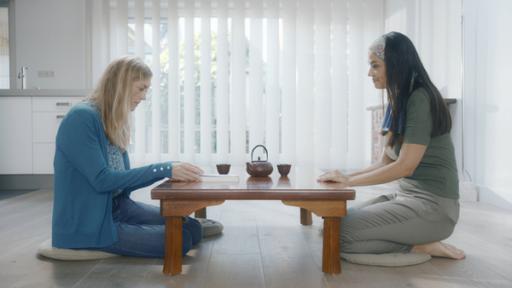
x=300, y=184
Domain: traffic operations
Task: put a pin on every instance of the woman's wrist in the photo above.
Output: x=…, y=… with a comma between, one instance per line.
x=350, y=181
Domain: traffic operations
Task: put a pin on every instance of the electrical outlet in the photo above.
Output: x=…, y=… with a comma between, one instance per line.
x=45, y=73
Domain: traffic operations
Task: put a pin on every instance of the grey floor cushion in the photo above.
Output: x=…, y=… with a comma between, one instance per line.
x=388, y=259
x=46, y=250
x=210, y=227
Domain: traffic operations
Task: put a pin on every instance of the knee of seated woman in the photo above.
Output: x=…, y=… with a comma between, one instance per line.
x=187, y=242
x=446, y=230
x=194, y=228
x=349, y=228
x=347, y=247
x=348, y=235
x=347, y=238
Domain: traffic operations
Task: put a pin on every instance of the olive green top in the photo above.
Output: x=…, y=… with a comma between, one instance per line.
x=437, y=171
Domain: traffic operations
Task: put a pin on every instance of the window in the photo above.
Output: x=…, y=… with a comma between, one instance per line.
x=233, y=74
x=4, y=45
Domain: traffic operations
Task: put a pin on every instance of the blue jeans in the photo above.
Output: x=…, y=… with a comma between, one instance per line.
x=141, y=230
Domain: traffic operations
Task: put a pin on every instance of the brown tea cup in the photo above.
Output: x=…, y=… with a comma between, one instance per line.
x=284, y=169
x=223, y=168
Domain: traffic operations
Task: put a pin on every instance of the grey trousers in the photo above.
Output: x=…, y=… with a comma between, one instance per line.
x=395, y=222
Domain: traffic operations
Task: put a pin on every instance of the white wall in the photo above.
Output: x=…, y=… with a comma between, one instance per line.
x=51, y=36
x=487, y=98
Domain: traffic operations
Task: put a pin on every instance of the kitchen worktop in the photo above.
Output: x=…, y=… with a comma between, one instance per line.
x=45, y=92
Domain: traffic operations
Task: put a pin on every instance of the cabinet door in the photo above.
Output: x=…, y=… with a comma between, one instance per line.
x=16, y=135
x=43, y=158
x=52, y=36
x=45, y=125
x=54, y=104
x=47, y=114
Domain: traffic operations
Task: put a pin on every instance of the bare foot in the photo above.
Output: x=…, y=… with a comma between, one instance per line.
x=440, y=249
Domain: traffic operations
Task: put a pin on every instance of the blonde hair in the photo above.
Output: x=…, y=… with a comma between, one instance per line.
x=113, y=95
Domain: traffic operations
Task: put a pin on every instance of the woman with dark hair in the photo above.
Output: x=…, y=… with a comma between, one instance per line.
x=419, y=154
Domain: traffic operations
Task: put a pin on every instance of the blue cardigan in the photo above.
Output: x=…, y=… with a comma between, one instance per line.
x=82, y=206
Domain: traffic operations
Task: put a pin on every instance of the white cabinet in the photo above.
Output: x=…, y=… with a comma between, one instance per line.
x=51, y=38
x=28, y=126
x=15, y=135
x=47, y=113
x=43, y=158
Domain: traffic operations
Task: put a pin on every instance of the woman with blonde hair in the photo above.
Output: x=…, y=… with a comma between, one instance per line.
x=93, y=178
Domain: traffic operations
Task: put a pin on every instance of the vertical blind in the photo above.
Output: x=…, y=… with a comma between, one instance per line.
x=232, y=74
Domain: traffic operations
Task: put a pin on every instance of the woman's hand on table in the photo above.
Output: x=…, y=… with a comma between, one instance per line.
x=334, y=176
x=186, y=172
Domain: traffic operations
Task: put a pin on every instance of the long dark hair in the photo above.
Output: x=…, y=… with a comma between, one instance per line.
x=405, y=73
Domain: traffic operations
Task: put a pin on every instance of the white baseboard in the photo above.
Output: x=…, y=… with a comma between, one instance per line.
x=26, y=182
x=493, y=197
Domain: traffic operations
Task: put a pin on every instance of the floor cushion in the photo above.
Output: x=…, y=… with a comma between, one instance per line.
x=210, y=227
x=387, y=259
x=46, y=250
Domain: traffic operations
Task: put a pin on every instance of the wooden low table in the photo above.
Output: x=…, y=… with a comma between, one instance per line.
x=327, y=200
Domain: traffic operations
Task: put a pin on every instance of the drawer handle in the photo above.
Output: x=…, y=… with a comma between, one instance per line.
x=60, y=116
x=63, y=104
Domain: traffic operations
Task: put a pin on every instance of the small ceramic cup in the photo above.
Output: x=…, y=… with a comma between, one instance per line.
x=284, y=169
x=223, y=168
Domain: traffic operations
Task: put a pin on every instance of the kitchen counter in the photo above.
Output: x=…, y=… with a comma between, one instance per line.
x=45, y=92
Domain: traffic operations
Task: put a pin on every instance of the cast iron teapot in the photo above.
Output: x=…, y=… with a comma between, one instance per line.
x=259, y=168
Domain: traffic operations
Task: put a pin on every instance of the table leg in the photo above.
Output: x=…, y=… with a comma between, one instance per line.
x=305, y=217
x=201, y=213
x=173, y=245
x=331, y=262
x=331, y=211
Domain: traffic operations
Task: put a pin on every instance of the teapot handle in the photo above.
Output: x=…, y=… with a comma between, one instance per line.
x=264, y=149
